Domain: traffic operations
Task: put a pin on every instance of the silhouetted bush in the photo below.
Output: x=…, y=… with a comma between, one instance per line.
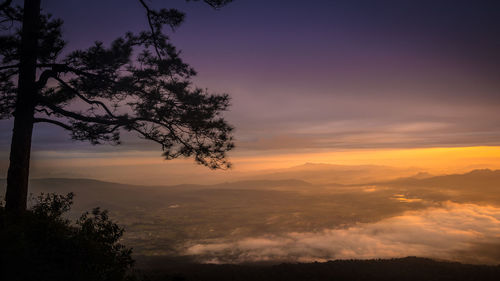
x=43, y=245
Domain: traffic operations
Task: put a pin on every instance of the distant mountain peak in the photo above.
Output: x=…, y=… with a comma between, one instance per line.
x=422, y=175
x=483, y=171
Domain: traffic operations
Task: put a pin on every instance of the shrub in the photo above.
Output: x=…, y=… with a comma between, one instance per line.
x=43, y=245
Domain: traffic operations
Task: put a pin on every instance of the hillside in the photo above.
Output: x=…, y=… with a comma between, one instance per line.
x=477, y=186
x=485, y=177
x=293, y=220
x=407, y=269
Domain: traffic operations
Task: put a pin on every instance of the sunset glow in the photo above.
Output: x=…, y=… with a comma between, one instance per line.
x=148, y=168
x=256, y=132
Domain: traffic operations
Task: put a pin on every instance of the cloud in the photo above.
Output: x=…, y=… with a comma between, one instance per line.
x=453, y=232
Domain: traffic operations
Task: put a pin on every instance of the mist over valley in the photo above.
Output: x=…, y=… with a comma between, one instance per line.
x=279, y=219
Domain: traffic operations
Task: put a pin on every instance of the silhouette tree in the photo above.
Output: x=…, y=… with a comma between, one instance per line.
x=138, y=83
x=44, y=245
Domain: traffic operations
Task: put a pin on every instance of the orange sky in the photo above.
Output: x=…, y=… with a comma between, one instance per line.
x=358, y=84
x=142, y=167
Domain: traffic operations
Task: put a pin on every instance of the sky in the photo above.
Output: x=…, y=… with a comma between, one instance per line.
x=388, y=82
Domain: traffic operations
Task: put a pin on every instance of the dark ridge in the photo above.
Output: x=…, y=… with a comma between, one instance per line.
x=401, y=269
x=487, y=175
x=68, y=182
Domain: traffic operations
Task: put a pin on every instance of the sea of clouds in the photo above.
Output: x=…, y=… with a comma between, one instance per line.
x=459, y=232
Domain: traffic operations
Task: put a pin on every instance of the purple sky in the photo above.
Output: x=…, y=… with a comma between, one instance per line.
x=322, y=74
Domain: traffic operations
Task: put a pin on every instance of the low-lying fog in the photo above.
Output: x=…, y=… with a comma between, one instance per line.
x=283, y=218
x=452, y=231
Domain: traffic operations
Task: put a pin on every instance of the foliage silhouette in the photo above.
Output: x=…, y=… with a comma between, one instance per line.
x=402, y=269
x=43, y=245
x=137, y=84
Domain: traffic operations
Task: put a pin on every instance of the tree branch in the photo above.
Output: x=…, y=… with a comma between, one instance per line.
x=4, y=7
x=153, y=32
x=44, y=77
x=63, y=68
x=91, y=102
x=80, y=117
x=9, y=66
x=5, y=4
x=54, y=122
x=118, y=121
x=217, y=4
x=44, y=110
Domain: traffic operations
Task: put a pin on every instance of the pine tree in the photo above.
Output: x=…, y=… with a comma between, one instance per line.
x=137, y=84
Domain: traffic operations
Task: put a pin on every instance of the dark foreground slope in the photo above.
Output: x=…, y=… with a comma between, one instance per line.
x=407, y=269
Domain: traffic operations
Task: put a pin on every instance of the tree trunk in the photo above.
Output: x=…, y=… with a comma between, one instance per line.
x=18, y=174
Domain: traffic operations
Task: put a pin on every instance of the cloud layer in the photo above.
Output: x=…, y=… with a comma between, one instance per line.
x=453, y=232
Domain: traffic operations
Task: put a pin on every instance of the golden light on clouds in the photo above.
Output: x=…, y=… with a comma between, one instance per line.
x=451, y=231
x=150, y=168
